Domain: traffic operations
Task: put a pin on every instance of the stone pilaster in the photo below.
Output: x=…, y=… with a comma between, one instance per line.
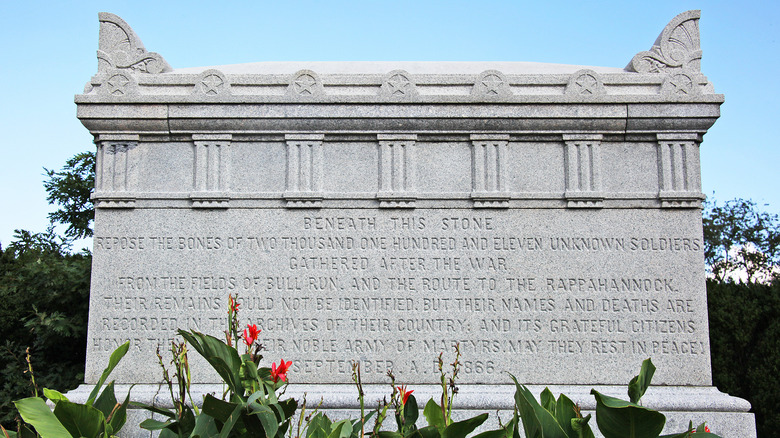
x=397, y=171
x=488, y=170
x=679, y=185
x=211, y=170
x=304, y=170
x=582, y=164
x=115, y=171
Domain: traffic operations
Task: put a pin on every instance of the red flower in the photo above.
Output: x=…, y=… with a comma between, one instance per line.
x=707, y=429
x=251, y=336
x=404, y=393
x=232, y=304
x=280, y=372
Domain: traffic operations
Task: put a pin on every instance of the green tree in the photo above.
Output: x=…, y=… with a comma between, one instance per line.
x=744, y=317
x=739, y=238
x=71, y=189
x=44, y=302
x=44, y=292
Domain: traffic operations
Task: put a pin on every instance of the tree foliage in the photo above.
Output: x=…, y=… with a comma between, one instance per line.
x=745, y=345
x=71, y=189
x=741, y=239
x=44, y=302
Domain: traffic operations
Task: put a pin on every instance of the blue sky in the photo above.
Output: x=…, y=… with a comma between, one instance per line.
x=49, y=54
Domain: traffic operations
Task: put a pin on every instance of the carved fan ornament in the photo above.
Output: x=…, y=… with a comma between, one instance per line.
x=120, y=48
x=677, y=48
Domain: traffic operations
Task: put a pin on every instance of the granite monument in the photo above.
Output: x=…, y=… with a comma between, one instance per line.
x=546, y=218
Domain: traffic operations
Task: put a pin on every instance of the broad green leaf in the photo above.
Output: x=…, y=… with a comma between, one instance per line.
x=154, y=409
x=113, y=361
x=547, y=400
x=80, y=420
x=581, y=427
x=117, y=421
x=152, y=424
x=411, y=411
x=34, y=411
x=232, y=420
x=622, y=419
x=425, y=432
x=205, y=426
x=496, y=433
x=434, y=415
x=538, y=422
x=106, y=400
x=267, y=419
x=26, y=432
x=564, y=413
x=462, y=428
x=341, y=429
x=508, y=431
x=5, y=433
x=219, y=409
x=319, y=426
x=639, y=384
x=388, y=434
x=223, y=358
x=53, y=395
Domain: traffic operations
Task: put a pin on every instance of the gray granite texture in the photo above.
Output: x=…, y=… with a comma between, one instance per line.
x=545, y=218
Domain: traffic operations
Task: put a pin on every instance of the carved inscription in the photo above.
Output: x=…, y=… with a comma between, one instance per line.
x=392, y=290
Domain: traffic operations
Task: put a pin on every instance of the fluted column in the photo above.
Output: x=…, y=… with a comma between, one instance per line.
x=488, y=170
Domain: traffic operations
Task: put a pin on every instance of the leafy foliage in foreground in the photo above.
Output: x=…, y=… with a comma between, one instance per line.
x=44, y=301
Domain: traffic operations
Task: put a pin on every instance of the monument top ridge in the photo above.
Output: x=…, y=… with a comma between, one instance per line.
x=670, y=70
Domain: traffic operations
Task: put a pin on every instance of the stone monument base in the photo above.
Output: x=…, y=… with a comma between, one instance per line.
x=726, y=416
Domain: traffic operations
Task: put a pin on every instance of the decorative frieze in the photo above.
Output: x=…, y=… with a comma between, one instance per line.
x=304, y=171
x=678, y=170
x=488, y=170
x=582, y=164
x=397, y=171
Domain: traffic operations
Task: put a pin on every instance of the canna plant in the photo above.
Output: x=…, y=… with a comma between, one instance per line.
x=250, y=407
x=615, y=418
x=100, y=417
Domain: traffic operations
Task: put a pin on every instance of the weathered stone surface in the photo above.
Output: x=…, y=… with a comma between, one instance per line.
x=546, y=218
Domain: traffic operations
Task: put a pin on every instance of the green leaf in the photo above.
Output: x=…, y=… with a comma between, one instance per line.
x=80, y=420
x=219, y=409
x=106, y=400
x=205, y=426
x=152, y=424
x=425, y=432
x=113, y=361
x=53, y=395
x=462, y=428
x=341, y=429
x=388, y=434
x=618, y=418
x=639, y=384
x=564, y=413
x=547, y=400
x=411, y=411
x=267, y=419
x=154, y=409
x=34, y=411
x=538, y=422
x=120, y=415
x=223, y=358
x=581, y=427
x=231, y=421
x=319, y=426
x=434, y=415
